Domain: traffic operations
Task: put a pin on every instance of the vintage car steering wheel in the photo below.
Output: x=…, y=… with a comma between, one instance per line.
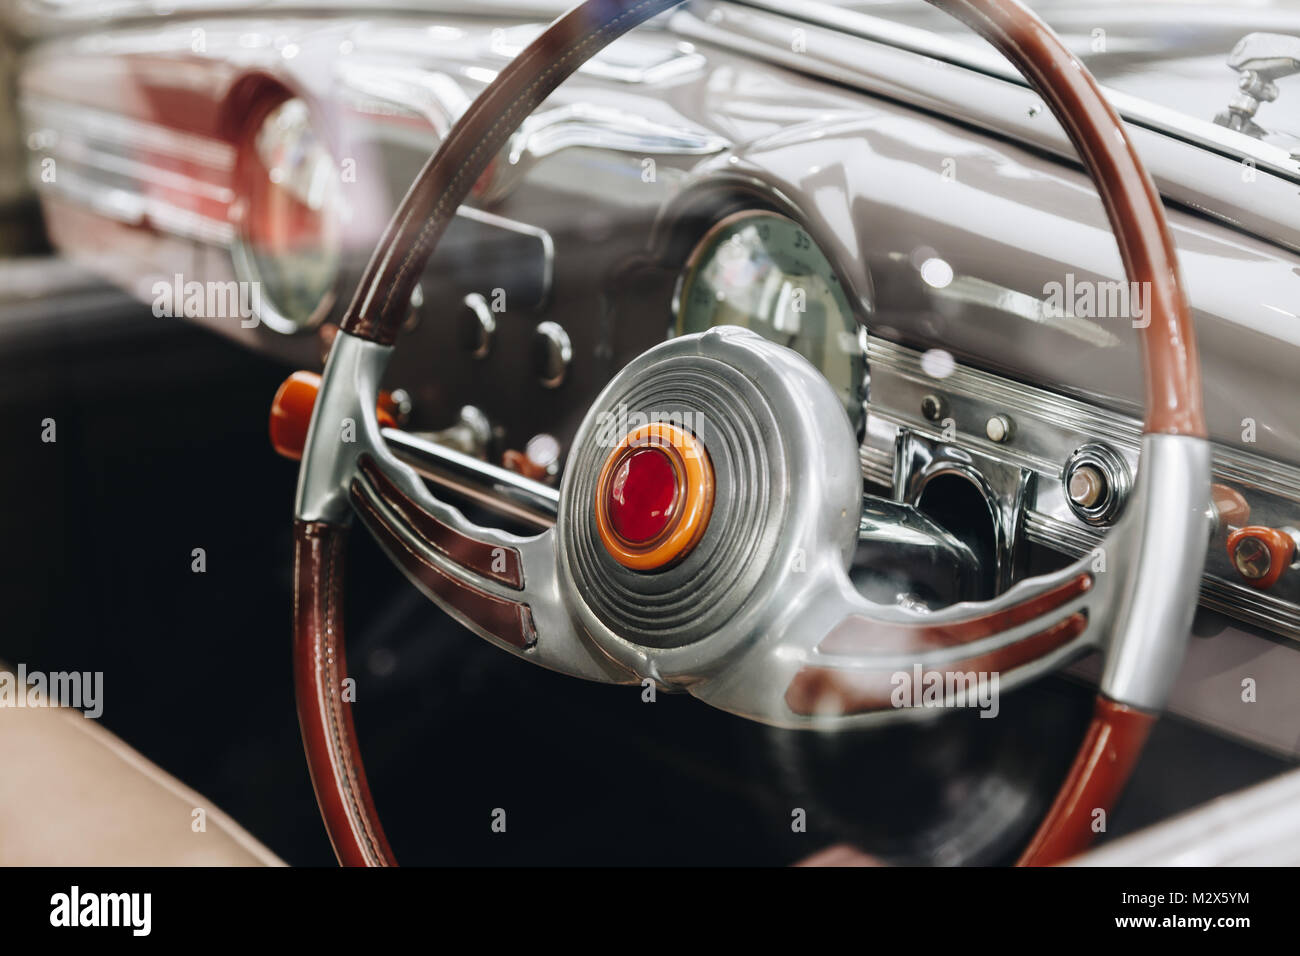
x=734, y=586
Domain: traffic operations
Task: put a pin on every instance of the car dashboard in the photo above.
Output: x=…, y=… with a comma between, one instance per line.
x=924, y=253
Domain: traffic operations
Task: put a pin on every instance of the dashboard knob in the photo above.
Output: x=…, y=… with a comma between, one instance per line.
x=291, y=410
x=552, y=352
x=477, y=326
x=1087, y=486
x=999, y=428
x=1230, y=508
x=1096, y=481
x=470, y=435
x=934, y=407
x=540, y=459
x=1261, y=554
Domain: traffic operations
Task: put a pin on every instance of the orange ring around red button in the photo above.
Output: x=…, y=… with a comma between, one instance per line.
x=654, y=497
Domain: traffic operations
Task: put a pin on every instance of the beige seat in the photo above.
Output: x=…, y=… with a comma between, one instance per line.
x=72, y=794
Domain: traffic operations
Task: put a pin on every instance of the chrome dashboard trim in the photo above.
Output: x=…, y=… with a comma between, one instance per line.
x=89, y=123
x=684, y=61
x=98, y=166
x=412, y=91
x=545, y=241
x=1050, y=427
x=603, y=127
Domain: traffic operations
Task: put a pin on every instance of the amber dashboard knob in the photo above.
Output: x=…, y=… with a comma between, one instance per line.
x=292, y=407
x=1231, y=509
x=1261, y=554
x=540, y=459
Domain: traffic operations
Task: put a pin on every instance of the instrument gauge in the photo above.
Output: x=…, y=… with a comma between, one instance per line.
x=761, y=270
x=290, y=234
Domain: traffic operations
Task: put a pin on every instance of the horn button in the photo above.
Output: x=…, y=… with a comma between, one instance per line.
x=654, y=497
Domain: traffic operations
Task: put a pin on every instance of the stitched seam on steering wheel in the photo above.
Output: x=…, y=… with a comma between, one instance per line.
x=333, y=709
x=436, y=215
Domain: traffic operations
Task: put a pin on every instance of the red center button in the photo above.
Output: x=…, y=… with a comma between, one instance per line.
x=653, y=497
x=642, y=494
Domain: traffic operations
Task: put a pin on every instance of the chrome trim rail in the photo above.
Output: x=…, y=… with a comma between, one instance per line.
x=1049, y=428
x=102, y=163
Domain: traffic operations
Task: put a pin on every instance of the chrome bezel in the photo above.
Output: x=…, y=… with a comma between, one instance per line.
x=241, y=259
x=1114, y=470
x=244, y=262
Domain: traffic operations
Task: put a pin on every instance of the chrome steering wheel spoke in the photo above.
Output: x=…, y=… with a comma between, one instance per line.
x=838, y=660
x=501, y=586
x=833, y=659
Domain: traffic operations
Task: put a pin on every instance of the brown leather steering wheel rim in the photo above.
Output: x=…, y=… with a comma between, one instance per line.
x=1170, y=364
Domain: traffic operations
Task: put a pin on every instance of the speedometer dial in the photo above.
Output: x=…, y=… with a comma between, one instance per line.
x=761, y=270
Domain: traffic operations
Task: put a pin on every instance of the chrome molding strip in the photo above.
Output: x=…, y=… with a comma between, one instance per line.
x=132, y=208
x=69, y=148
x=1217, y=594
x=1051, y=407
x=90, y=123
x=1048, y=428
x=1071, y=539
x=1254, y=471
x=877, y=465
x=101, y=163
x=1251, y=606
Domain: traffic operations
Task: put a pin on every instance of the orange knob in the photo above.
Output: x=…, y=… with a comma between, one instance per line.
x=1261, y=554
x=1230, y=507
x=519, y=462
x=292, y=407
